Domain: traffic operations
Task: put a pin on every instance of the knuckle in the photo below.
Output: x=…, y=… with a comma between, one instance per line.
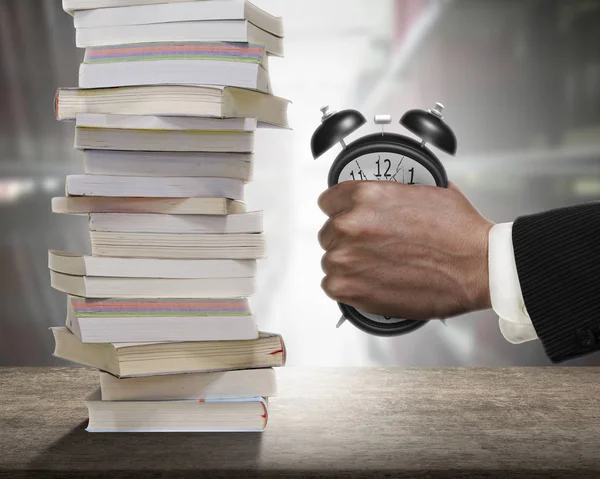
x=355, y=224
x=339, y=257
x=335, y=287
x=325, y=264
x=336, y=259
x=343, y=189
x=342, y=225
x=323, y=199
x=365, y=192
x=321, y=202
x=330, y=285
x=327, y=199
x=322, y=236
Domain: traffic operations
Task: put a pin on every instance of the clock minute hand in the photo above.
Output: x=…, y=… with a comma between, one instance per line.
x=378, y=178
x=393, y=178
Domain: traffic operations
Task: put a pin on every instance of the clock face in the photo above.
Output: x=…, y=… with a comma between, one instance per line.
x=380, y=319
x=387, y=167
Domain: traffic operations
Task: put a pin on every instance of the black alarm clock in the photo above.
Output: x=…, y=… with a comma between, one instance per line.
x=385, y=157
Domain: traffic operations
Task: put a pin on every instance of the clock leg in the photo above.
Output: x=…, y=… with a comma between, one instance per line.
x=341, y=321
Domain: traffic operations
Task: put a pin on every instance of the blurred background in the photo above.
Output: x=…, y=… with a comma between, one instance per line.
x=520, y=80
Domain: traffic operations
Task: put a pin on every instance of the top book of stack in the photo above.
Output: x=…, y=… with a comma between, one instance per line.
x=150, y=21
x=205, y=58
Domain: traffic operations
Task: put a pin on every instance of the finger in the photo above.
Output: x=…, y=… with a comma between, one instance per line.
x=339, y=262
x=335, y=287
x=339, y=229
x=337, y=199
x=326, y=235
x=326, y=265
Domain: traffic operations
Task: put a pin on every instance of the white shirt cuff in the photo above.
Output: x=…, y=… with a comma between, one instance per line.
x=505, y=289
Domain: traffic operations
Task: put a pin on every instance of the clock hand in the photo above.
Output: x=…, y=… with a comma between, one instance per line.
x=378, y=178
x=360, y=170
x=393, y=178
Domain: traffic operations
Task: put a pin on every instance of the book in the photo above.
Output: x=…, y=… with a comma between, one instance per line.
x=169, y=123
x=216, y=51
x=178, y=246
x=211, y=415
x=150, y=359
x=168, y=164
x=245, y=383
x=148, y=288
x=80, y=205
x=71, y=6
x=180, y=12
x=235, y=31
x=140, y=307
x=182, y=72
x=174, y=100
x=163, y=140
x=80, y=265
x=134, y=187
x=245, y=223
x=136, y=321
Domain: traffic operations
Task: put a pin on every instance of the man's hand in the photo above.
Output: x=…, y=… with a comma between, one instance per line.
x=410, y=252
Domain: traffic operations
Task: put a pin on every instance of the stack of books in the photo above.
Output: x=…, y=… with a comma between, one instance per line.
x=170, y=95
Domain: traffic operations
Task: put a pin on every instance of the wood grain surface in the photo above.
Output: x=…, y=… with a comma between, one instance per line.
x=522, y=422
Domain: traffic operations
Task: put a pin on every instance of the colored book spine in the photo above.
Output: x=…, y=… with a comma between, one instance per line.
x=239, y=52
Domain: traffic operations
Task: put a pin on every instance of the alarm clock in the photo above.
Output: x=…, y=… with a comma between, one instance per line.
x=385, y=156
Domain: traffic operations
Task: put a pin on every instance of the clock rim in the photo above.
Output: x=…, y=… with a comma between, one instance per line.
x=389, y=143
x=366, y=325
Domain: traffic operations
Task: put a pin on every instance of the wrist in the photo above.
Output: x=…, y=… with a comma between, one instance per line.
x=480, y=279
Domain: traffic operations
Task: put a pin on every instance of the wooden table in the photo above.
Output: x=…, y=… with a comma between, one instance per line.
x=526, y=422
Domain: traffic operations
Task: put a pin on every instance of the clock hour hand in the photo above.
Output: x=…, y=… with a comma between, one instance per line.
x=360, y=171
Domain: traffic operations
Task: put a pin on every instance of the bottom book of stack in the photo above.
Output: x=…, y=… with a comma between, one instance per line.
x=228, y=401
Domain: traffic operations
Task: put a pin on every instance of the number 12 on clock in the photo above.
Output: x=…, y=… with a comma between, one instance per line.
x=387, y=166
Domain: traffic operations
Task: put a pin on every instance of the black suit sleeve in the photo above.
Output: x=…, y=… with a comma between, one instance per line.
x=558, y=263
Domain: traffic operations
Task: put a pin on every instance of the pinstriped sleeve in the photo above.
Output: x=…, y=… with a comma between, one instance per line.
x=557, y=255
